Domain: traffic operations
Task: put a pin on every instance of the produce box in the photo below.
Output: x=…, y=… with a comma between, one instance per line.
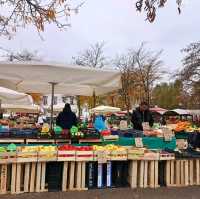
x=7, y=157
x=66, y=156
x=45, y=156
x=136, y=153
x=159, y=143
x=182, y=135
x=151, y=156
x=118, y=155
x=102, y=156
x=167, y=156
x=84, y=156
x=27, y=156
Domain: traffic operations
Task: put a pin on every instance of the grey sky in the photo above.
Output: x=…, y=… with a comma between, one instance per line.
x=118, y=24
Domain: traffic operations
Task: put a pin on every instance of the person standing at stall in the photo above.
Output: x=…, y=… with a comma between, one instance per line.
x=142, y=115
x=66, y=119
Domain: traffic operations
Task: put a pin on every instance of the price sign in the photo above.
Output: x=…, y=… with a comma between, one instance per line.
x=138, y=142
x=167, y=134
x=123, y=125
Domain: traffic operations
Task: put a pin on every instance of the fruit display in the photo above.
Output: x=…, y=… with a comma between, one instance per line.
x=186, y=127
x=182, y=126
x=75, y=133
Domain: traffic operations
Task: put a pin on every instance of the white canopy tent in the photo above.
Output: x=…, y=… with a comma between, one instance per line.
x=58, y=107
x=8, y=96
x=51, y=78
x=105, y=109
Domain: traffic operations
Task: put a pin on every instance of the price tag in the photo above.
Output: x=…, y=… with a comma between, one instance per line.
x=138, y=142
x=101, y=157
x=167, y=134
x=123, y=125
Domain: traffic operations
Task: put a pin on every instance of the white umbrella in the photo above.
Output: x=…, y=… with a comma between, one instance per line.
x=105, y=109
x=64, y=79
x=21, y=108
x=58, y=107
x=8, y=96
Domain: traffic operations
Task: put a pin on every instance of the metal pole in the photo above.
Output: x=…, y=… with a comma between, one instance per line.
x=52, y=99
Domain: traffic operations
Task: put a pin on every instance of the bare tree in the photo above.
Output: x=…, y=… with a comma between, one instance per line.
x=151, y=6
x=149, y=69
x=190, y=74
x=24, y=55
x=126, y=64
x=21, y=13
x=191, y=63
x=93, y=56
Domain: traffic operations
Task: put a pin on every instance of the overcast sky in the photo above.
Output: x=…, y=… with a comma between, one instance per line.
x=118, y=24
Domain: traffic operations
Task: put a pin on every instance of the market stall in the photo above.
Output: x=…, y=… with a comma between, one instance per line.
x=119, y=157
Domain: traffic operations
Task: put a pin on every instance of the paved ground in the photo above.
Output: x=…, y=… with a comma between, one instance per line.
x=161, y=193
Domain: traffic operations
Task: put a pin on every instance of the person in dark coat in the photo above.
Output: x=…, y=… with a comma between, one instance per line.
x=140, y=115
x=66, y=119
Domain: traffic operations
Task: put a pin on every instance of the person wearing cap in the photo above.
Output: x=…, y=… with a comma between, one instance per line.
x=142, y=115
x=66, y=119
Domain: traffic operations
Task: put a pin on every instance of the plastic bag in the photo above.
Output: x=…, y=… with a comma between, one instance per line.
x=99, y=124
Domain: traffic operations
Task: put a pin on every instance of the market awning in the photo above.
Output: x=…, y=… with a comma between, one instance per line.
x=104, y=109
x=177, y=112
x=159, y=110
x=8, y=96
x=45, y=78
x=35, y=77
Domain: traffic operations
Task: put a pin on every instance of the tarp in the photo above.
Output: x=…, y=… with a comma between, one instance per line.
x=104, y=109
x=34, y=77
x=8, y=96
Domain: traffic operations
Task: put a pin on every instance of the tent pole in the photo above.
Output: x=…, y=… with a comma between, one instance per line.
x=52, y=99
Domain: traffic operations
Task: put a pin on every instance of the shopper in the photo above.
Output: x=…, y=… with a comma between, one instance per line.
x=141, y=115
x=66, y=119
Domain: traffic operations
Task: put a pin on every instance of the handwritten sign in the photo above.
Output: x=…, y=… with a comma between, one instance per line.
x=138, y=142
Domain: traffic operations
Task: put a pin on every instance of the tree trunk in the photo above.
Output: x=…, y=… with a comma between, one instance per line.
x=79, y=106
x=94, y=99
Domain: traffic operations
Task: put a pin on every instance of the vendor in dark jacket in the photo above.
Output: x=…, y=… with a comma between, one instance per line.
x=140, y=115
x=66, y=119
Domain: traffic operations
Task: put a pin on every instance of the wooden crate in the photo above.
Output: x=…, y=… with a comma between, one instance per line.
x=28, y=177
x=182, y=172
x=118, y=155
x=143, y=174
x=74, y=176
x=135, y=154
x=66, y=156
x=47, y=156
x=7, y=157
x=3, y=178
x=84, y=156
x=151, y=156
x=101, y=156
x=27, y=157
x=167, y=156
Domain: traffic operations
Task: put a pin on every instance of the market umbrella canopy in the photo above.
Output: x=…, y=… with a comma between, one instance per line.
x=21, y=108
x=105, y=109
x=8, y=96
x=70, y=79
